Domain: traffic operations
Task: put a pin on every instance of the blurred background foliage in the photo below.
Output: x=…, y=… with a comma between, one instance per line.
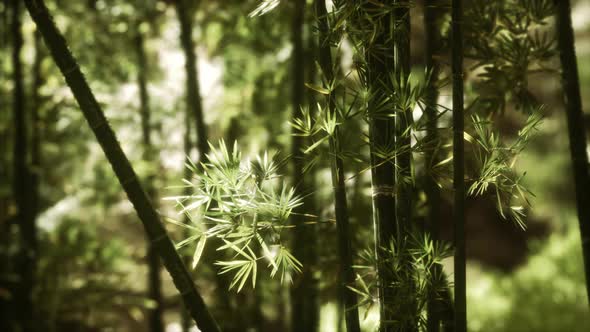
x=91, y=270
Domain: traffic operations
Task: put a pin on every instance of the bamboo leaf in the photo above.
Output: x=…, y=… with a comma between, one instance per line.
x=317, y=88
x=199, y=251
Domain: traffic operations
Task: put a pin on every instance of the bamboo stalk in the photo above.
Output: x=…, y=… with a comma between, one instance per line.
x=404, y=178
x=347, y=297
x=126, y=175
x=303, y=293
x=576, y=130
x=193, y=94
x=458, y=166
x=402, y=69
x=22, y=182
x=431, y=46
x=380, y=65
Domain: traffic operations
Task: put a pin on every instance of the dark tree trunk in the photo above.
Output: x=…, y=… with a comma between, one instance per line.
x=404, y=178
x=22, y=183
x=346, y=277
x=304, y=309
x=575, y=123
x=458, y=166
x=193, y=94
x=125, y=174
x=155, y=313
x=432, y=44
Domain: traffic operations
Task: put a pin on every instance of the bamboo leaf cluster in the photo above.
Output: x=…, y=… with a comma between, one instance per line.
x=508, y=43
x=247, y=206
x=411, y=286
x=495, y=163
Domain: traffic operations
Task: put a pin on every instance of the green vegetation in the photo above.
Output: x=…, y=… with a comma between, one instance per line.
x=301, y=165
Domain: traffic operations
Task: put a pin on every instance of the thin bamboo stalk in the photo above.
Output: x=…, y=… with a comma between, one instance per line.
x=458, y=166
x=347, y=297
x=22, y=182
x=431, y=46
x=193, y=94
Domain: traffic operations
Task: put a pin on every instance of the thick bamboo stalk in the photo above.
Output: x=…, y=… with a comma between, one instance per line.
x=575, y=123
x=458, y=166
x=347, y=297
x=380, y=66
x=126, y=175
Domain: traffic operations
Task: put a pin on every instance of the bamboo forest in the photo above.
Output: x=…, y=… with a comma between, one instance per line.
x=294, y=165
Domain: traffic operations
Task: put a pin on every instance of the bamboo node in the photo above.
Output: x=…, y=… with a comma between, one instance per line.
x=383, y=190
x=128, y=180
x=74, y=68
x=98, y=125
x=162, y=236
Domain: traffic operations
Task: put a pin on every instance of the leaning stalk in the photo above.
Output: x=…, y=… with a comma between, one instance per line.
x=126, y=175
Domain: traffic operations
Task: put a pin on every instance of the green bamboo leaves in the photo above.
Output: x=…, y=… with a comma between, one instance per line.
x=508, y=42
x=264, y=7
x=246, y=205
x=411, y=286
x=495, y=163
